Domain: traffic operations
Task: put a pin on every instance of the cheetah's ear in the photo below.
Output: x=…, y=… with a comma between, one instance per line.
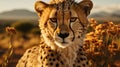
x=86, y=6
x=40, y=6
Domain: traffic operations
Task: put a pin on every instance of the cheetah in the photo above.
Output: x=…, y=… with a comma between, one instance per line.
x=63, y=25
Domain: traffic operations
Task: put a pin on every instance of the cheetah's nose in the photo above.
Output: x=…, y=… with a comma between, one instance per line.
x=63, y=35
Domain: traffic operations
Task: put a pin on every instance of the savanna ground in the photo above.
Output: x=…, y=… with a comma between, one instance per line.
x=102, y=42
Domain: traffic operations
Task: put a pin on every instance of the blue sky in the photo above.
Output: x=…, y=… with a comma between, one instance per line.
x=6, y=5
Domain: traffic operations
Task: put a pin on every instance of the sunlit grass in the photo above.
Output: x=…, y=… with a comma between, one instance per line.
x=11, y=31
x=102, y=43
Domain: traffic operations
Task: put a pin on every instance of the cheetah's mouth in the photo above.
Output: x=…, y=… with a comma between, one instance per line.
x=64, y=42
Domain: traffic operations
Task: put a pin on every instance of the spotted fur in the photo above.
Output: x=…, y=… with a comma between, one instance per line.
x=63, y=26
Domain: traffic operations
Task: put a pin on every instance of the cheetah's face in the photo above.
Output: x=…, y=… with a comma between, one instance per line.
x=62, y=27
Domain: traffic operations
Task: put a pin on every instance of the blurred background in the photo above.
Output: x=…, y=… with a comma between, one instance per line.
x=21, y=15
x=24, y=9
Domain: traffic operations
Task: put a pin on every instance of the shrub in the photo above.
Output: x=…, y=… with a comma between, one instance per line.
x=102, y=44
x=23, y=27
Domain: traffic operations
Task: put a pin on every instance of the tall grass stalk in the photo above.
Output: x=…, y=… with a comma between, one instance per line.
x=9, y=52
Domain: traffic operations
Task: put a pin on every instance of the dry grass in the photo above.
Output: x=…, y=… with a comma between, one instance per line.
x=13, y=45
x=102, y=44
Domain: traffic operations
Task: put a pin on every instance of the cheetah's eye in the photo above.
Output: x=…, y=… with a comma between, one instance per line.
x=54, y=20
x=73, y=19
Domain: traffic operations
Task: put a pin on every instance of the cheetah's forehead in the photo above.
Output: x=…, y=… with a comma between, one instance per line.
x=63, y=5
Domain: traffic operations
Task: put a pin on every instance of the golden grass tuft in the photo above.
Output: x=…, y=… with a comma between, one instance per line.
x=102, y=43
x=11, y=31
